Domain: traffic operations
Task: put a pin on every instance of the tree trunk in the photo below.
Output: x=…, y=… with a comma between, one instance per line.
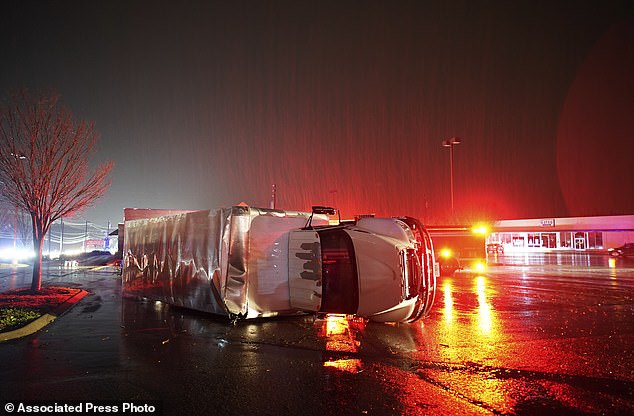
x=36, y=283
x=38, y=243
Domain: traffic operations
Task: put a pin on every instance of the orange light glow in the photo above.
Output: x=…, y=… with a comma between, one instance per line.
x=448, y=312
x=335, y=325
x=480, y=230
x=340, y=333
x=446, y=253
x=479, y=266
x=352, y=365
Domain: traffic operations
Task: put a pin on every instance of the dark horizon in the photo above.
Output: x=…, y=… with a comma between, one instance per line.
x=207, y=104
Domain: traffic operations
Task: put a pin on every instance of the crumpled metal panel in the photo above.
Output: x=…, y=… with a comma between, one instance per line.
x=230, y=261
x=257, y=273
x=176, y=259
x=235, y=290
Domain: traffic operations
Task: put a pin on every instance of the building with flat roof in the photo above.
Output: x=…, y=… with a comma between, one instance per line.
x=560, y=234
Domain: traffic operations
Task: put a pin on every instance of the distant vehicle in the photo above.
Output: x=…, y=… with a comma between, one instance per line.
x=495, y=248
x=625, y=250
x=448, y=262
x=459, y=247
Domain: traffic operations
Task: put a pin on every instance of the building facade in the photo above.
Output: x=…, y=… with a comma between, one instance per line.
x=563, y=234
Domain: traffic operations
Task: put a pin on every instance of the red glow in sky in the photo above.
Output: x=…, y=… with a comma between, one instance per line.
x=594, y=139
x=207, y=104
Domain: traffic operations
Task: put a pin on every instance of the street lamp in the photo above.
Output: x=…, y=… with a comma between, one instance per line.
x=450, y=143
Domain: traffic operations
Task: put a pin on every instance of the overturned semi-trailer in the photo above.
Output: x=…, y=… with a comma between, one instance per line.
x=246, y=262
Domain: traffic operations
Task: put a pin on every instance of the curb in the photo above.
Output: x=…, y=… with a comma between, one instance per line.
x=43, y=320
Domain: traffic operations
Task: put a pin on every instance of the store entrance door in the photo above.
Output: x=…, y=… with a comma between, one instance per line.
x=580, y=241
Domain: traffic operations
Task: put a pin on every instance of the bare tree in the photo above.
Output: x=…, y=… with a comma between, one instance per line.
x=23, y=224
x=14, y=221
x=44, y=164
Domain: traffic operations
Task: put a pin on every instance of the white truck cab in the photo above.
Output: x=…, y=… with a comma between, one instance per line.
x=374, y=267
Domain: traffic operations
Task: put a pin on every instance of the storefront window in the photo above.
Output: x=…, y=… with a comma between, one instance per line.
x=595, y=239
x=580, y=241
x=566, y=240
x=549, y=240
x=534, y=240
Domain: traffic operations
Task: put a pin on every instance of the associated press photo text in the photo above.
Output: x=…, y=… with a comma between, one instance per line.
x=83, y=408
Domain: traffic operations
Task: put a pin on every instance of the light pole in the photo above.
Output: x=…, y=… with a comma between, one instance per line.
x=450, y=143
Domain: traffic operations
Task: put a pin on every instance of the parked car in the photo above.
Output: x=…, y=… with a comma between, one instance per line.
x=626, y=249
x=495, y=248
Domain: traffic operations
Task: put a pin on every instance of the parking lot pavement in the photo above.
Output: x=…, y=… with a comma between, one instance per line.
x=514, y=341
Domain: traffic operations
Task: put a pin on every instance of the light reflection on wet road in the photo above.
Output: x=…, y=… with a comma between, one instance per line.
x=553, y=337
x=527, y=336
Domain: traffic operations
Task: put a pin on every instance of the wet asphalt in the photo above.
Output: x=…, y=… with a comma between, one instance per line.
x=540, y=334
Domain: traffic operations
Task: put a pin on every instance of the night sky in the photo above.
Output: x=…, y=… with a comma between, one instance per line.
x=206, y=104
